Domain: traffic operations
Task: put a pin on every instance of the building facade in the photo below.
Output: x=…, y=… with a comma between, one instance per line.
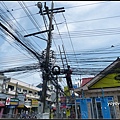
x=100, y=96
x=16, y=97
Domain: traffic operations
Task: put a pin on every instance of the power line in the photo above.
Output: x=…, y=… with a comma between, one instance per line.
x=85, y=5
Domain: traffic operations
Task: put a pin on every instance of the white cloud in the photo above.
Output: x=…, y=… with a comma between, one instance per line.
x=87, y=10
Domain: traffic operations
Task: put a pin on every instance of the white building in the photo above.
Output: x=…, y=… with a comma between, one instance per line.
x=16, y=96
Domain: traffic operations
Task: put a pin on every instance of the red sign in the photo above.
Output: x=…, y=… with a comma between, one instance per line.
x=8, y=101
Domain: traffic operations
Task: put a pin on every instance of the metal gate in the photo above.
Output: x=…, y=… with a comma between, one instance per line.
x=105, y=110
x=83, y=107
x=100, y=109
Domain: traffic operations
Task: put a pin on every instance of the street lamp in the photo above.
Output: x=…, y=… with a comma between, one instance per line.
x=39, y=5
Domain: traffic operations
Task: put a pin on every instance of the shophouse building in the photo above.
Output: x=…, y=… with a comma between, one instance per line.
x=17, y=96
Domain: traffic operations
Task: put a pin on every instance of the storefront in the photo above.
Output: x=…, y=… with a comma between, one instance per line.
x=11, y=107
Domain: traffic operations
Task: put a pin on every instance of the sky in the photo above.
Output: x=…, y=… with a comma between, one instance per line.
x=88, y=30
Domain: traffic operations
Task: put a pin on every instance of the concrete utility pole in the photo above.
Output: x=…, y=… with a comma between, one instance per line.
x=16, y=90
x=56, y=71
x=46, y=72
x=44, y=88
x=57, y=97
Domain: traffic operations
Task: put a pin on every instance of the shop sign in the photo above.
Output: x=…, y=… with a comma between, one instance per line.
x=63, y=99
x=28, y=104
x=21, y=104
x=75, y=86
x=66, y=91
x=12, y=101
x=35, y=103
x=7, y=101
x=21, y=97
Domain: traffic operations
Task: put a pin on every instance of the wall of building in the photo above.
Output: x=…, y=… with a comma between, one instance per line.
x=115, y=95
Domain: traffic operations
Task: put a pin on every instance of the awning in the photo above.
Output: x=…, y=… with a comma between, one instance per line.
x=27, y=106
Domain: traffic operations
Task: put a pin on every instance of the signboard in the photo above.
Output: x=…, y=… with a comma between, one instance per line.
x=12, y=101
x=4, y=96
x=63, y=99
x=28, y=104
x=21, y=96
x=67, y=113
x=35, y=103
x=107, y=83
x=7, y=101
x=67, y=91
x=63, y=102
x=21, y=104
x=75, y=86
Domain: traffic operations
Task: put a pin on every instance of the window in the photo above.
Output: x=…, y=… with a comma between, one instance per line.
x=99, y=110
x=18, y=89
x=10, y=87
x=94, y=107
x=35, y=93
x=24, y=91
x=30, y=91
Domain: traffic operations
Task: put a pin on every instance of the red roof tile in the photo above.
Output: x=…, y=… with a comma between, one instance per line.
x=85, y=81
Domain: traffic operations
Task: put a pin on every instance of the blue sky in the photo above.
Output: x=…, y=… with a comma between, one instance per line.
x=85, y=28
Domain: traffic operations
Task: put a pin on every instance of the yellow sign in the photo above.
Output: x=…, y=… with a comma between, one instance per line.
x=67, y=91
x=67, y=113
x=110, y=80
x=21, y=106
x=34, y=103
